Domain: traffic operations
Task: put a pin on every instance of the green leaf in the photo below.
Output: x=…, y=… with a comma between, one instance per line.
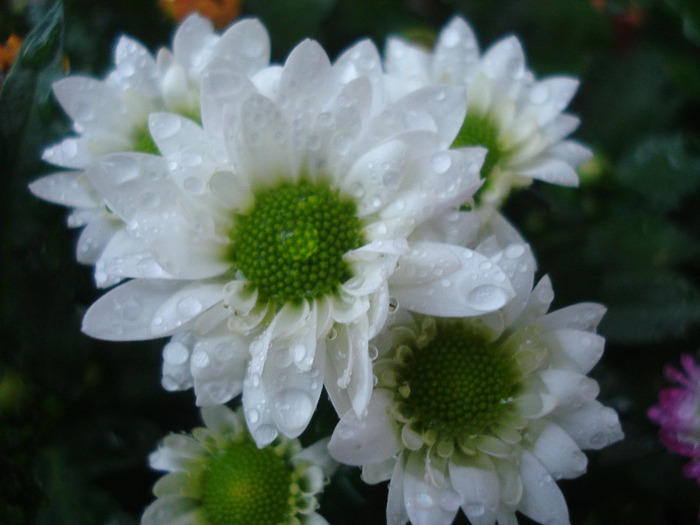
x=26, y=109
x=649, y=306
x=634, y=239
x=661, y=170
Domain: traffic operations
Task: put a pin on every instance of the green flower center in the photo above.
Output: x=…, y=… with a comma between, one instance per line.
x=244, y=485
x=290, y=246
x=142, y=140
x=478, y=130
x=458, y=384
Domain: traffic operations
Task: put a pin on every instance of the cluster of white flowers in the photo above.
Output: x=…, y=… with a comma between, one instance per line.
x=300, y=225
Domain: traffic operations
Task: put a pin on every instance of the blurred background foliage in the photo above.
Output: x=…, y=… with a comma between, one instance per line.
x=78, y=417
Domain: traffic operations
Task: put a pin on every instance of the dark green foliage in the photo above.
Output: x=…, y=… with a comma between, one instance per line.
x=78, y=417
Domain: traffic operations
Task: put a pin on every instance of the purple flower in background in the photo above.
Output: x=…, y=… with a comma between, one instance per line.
x=678, y=413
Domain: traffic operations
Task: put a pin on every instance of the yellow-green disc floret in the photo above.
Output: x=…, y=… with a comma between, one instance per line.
x=290, y=245
x=458, y=384
x=244, y=485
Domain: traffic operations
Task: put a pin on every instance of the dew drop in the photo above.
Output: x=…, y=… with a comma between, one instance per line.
x=514, y=251
x=392, y=179
x=253, y=415
x=193, y=185
x=292, y=410
x=486, y=297
x=149, y=199
x=357, y=189
x=297, y=352
x=175, y=353
x=425, y=500
x=449, y=38
x=200, y=359
x=441, y=162
x=189, y=307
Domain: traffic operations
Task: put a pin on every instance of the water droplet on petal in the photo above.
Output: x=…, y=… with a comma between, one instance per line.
x=189, y=307
x=425, y=500
x=441, y=162
x=175, y=353
x=514, y=251
x=487, y=297
x=253, y=416
x=149, y=199
x=292, y=410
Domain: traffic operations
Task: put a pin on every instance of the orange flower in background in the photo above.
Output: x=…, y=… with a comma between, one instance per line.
x=220, y=12
x=8, y=53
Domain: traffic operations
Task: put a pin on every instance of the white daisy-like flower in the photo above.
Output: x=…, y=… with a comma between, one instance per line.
x=518, y=118
x=111, y=115
x=483, y=413
x=269, y=238
x=217, y=475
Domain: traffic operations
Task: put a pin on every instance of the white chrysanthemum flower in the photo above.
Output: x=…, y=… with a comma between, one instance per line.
x=270, y=237
x=483, y=413
x=519, y=119
x=218, y=476
x=111, y=115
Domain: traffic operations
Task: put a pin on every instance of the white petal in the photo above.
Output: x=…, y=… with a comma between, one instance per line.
x=94, y=238
x=193, y=41
x=370, y=439
x=582, y=316
x=173, y=509
x=571, y=152
x=317, y=454
x=292, y=387
x=127, y=312
x=423, y=499
x=449, y=281
x=173, y=453
x=261, y=140
x=584, y=349
x=92, y=103
x=456, y=53
x=558, y=453
x=550, y=97
x=362, y=60
x=407, y=60
x=218, y=364
x=69, y=153
x=123, y=257
x=446, y=107
x=184, y=305
x=542, y=500
x=504, y=63
x=246, y=45
x=69, y=188
x=255, y=403
x=569, y=388
x=349, y=379
x=593, y=426
x=222, y=88
x=396, y=513
x=174, y=133
x=373, y=474
x=374, y=178
x=551, y=170
x=220, y=419
x=478, y=488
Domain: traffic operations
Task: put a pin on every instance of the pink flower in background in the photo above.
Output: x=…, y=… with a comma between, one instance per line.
x=678, y=413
